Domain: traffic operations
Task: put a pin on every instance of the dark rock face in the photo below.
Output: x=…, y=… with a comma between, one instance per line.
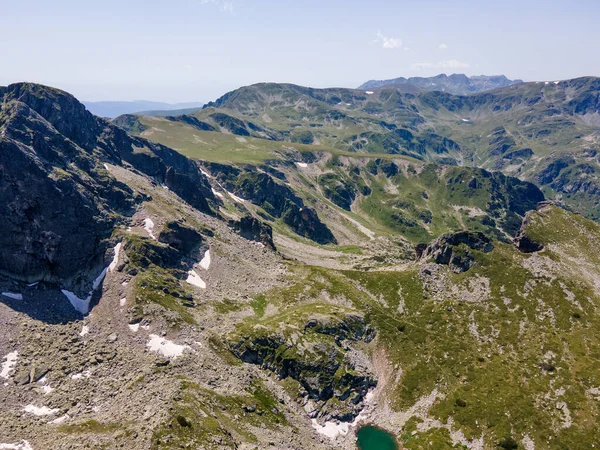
x=251, y=228
x=180, y=237
x=262, y=190
x=553, y=169
x=453, y=249
x=524, y=242
x=338, y=190
x=276, y=199
x=58, y=204
x=193, y=121
x=52, y=223
x=141, y=252
x=305, y=222
x=325, y=372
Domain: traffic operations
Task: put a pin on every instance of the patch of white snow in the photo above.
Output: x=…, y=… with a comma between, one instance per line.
x=165, y=347
x=302, y=164
x=194, y=278
x=205, y=263
x=149, y=227
x=331, y=429
x=369, y=92
x=9, y=364
x=80, y=304
x=236, y=198
x=79, y=376
x=84, y=330
x=23, y=445
x=113, y=265
x=218, y=194
x=46, y=388
x=134, y=327
x=40, y=410
x=13, y=295
x=60, y=420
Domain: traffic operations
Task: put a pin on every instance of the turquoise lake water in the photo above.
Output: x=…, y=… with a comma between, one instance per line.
x=373, y=438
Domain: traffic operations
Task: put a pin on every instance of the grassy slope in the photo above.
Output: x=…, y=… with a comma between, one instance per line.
x=504, y=363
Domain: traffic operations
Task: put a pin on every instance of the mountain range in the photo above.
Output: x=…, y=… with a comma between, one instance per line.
x=112, y=109
x=289, y=265
x=458, y=84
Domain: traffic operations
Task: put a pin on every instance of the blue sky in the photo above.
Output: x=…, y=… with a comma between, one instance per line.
x=196, y=50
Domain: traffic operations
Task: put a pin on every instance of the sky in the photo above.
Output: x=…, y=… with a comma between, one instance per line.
x=196, y=50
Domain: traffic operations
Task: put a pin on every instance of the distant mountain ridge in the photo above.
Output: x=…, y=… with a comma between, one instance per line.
x=458, y=83
x=112, y=109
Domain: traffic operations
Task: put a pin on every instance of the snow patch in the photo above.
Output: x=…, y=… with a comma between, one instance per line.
x=23, y=445
x=113, y=265
x=465, y=120
x=236, y=198
x=204, y=173
x=60, y=420
x=13, y=295
x=218, y=194
x=556, y=82
x=205, y=263
x=82, y=305
x=79, y=376
x=40, y=411
x=165, y=347
x=134, y=327
x=149, y=227
x=194, y=278
x=123, y=301
x=84, y=330
x=332, y=429
x=106, y=166
x=369, y=92
x=46, y=388
x=303, y=165
x=9, y=364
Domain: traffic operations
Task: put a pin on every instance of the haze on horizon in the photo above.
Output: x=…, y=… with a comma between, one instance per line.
x=196, y=50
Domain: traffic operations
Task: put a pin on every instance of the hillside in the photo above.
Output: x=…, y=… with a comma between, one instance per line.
x=546, y=133
x=251, y=292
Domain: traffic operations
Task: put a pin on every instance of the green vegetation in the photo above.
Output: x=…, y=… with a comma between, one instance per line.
x=158, y=292
x=499, y=338
x=201, y=417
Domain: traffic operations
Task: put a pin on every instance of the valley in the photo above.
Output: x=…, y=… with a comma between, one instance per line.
x=288, y=265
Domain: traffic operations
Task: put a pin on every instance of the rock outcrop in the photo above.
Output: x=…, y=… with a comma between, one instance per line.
x=59, y=204
x=254, y=229
x=324, y=363
x=454, y=249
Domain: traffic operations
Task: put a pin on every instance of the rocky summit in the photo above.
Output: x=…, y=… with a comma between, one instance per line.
x=289, y=264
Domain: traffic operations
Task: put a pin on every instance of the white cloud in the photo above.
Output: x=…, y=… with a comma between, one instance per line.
x=224, y=5
x=443, y=46
x=388, y=42
x=445, y=64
